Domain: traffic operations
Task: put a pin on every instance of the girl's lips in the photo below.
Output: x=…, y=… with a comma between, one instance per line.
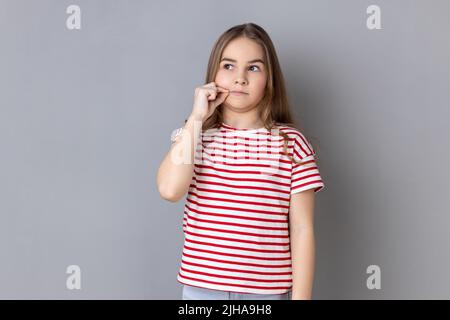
x=237, y=93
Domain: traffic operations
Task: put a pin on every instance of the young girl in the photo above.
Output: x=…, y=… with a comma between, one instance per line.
x=250, y=178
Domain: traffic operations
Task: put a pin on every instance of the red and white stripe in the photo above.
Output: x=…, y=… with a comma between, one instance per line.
x=235, y=217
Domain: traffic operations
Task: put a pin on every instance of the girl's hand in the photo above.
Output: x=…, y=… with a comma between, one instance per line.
x=207, y=98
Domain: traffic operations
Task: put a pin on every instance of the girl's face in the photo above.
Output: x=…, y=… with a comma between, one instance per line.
x=242, y=68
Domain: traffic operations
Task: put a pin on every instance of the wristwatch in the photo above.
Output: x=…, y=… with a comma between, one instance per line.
x=175, y=134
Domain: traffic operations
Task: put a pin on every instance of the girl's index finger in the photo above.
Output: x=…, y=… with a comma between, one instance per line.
x=222, y=89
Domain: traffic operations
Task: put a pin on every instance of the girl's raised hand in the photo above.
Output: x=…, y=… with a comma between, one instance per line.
x=207, y=98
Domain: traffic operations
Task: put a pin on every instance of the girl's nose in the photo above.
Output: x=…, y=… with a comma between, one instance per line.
x=240, y=81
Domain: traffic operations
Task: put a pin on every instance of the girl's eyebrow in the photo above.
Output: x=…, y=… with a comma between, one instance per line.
x=251, y=61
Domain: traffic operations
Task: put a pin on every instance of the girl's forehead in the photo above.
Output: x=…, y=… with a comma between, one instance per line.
x=255, y=60
x=242, y=45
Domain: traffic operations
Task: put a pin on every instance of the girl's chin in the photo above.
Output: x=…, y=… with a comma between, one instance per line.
x=236, y=105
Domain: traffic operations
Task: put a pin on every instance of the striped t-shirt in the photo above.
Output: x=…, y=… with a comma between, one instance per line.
x=235, y=222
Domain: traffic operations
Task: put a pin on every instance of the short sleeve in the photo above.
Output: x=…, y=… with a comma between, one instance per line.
x=305, y=173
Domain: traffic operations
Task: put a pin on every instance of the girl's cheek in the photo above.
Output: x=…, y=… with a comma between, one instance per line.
x=220, y=79
x=221, y=82
x=261, y=83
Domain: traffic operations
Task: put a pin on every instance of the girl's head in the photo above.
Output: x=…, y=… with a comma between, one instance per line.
x=242, y=68
x=243, y=58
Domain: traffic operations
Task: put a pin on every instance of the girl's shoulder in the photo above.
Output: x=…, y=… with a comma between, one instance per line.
x=299, y=141
x=291, y=131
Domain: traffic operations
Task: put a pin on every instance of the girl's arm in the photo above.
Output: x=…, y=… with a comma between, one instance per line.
x=176, y=170
x=301, y=229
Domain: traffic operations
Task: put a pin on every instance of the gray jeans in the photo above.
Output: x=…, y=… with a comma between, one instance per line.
x=196, y=293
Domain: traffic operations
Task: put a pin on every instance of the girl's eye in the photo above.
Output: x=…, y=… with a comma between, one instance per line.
x=228, y=64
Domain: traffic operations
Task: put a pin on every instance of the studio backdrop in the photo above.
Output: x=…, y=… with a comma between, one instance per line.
x=90, y=92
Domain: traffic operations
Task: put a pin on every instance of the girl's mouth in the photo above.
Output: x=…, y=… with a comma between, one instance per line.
x=238, y=93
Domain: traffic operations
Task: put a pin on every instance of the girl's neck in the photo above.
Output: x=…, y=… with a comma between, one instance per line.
x=248, y=120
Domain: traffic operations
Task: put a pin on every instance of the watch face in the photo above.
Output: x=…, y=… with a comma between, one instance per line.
x=175, y=133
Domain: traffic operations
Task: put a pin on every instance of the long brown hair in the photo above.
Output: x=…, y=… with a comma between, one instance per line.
x=274, y=107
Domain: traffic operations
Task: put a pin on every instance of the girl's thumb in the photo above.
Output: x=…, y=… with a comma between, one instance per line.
x=221, y=97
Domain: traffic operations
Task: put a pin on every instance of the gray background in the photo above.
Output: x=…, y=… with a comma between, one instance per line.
x=86, y=116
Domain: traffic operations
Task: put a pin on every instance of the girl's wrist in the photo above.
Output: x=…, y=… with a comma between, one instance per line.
x=195, y=117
